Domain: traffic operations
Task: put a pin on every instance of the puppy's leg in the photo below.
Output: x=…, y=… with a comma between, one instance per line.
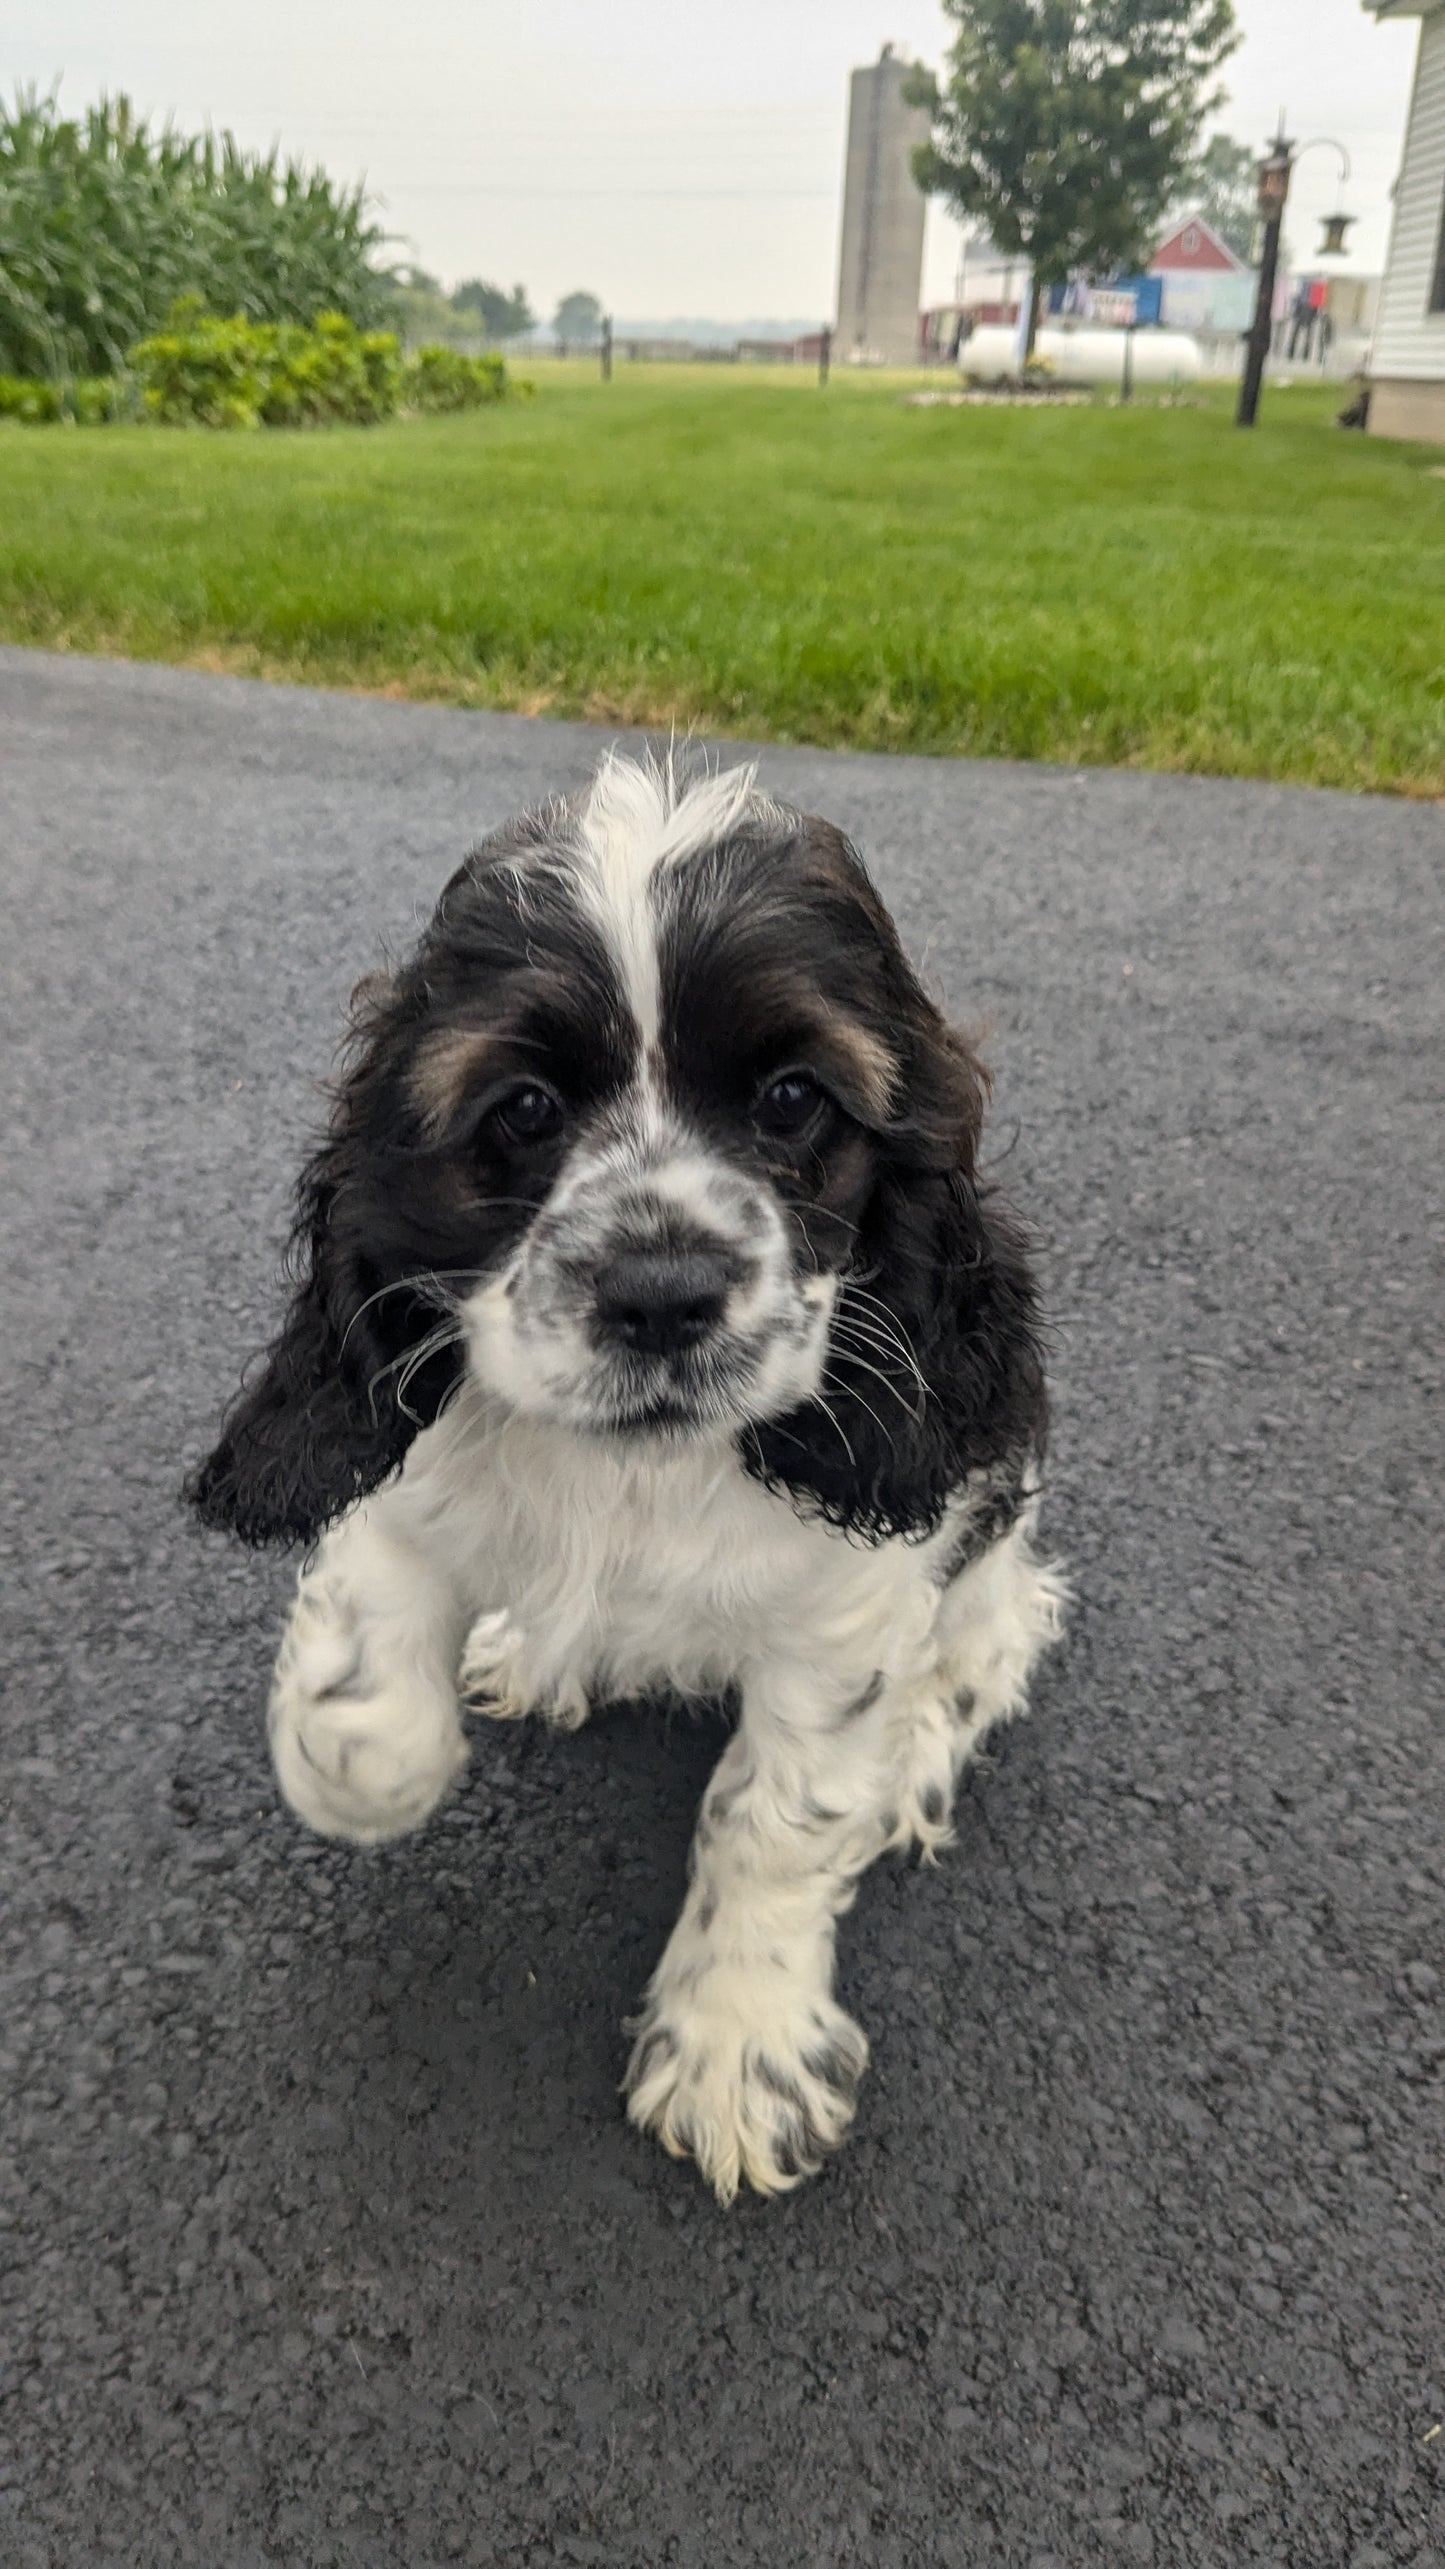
x=995, y=1619
x=365, y=1731
x=743, y=2058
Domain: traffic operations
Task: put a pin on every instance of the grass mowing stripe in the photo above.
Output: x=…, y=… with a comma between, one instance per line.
x=739, y=551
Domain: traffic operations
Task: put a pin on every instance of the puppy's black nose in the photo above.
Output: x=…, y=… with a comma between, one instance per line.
x=659, y=1301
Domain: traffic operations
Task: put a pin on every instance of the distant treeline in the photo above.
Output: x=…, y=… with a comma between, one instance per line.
x=420, y=308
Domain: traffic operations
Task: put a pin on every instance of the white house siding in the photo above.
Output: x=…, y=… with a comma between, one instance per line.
x=1407, y=367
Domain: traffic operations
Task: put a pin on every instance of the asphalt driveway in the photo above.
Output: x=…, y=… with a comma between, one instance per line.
x=325, y=2240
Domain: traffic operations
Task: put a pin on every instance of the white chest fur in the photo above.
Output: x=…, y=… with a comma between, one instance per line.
x=623, y=1572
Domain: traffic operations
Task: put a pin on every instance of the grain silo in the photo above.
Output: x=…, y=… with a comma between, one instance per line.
x=880, y=268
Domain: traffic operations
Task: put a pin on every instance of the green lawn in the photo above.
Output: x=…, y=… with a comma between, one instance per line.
x=744, y=553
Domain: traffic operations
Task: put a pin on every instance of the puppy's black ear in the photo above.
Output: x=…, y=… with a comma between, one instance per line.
x=302, y=1440
x=360, y=1363
x=935, y=1368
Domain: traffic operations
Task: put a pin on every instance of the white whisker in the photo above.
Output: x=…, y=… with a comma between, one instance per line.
x=877, y=1315
x=848, y=1329
x=425, y=1282
x=408, y=1364
x=849, y=1392
x=850, y=1356
x=831, y=1414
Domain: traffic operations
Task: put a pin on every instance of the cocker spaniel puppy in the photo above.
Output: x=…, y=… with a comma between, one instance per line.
x=654, y=1334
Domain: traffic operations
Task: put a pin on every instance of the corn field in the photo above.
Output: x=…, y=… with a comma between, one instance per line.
x=105, y=223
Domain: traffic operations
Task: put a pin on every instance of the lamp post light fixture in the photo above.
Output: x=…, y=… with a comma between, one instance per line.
x=1274, y=175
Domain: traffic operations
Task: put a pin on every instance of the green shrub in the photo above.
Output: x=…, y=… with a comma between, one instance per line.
x=209, y=373
x=439, y=379
x=85, y=400
x=331, y=372
x=204, y=371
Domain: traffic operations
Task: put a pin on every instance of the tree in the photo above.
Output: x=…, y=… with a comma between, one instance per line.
x=1067, y=125
x=1223, y=187
x=495, y=314
x=577, y=321
x=418, y=311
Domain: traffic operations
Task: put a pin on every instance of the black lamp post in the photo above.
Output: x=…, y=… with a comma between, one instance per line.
x=1274, y=177
x=1275, y=173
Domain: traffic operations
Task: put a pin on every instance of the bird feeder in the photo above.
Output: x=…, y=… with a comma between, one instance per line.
x=1336, y=226
x=1273, y=177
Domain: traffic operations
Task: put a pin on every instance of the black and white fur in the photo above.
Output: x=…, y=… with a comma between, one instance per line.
x=654, y=1334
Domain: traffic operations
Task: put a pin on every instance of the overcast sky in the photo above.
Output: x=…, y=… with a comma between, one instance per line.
x=672, y=156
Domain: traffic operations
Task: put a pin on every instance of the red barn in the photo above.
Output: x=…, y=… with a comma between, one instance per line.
x=1205, y=286
x=1194, y=248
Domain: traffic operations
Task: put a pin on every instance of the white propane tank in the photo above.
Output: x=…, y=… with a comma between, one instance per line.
x=1084, y=355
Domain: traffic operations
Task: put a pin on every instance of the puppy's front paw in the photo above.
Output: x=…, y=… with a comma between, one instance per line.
x=358, y=1765
x=752, y=2075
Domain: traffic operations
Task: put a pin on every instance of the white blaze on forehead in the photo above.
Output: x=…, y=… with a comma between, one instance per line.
x=639, y=818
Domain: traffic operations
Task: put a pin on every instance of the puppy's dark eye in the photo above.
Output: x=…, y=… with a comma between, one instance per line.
x=529, y=1116
x=790, y=1107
